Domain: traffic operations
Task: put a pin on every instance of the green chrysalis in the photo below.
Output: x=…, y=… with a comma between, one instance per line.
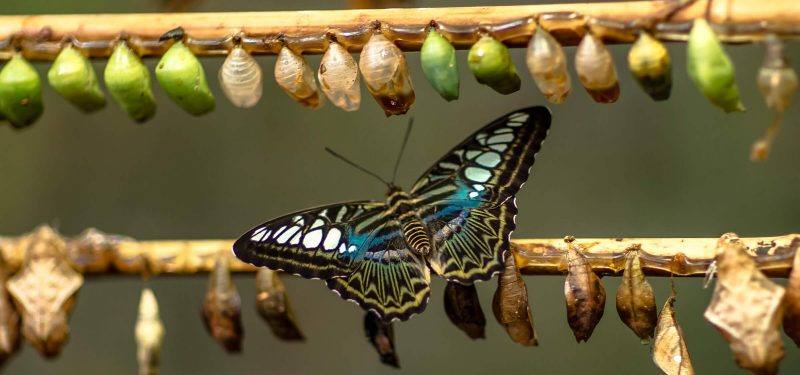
x=490, y=62
x=20, y=93
x=72, y=76
x=438, y=59
x=711, y=69
x=128, y=81
x=181, y=75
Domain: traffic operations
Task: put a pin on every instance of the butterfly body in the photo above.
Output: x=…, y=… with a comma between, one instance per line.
x=456, y=220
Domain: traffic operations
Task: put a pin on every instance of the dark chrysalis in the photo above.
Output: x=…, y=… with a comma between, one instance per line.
x=381, y=335
x=463, y=307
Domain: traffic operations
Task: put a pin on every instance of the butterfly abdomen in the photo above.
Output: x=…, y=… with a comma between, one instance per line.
x=416, y=236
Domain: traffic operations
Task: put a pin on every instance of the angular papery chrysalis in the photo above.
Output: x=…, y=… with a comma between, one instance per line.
x=149, y=334
x=777, y=82
x=222, y=306
x=548, y=66
x=20, y=92
x=649, y=62
x=273, y=305
x=491, y=64
x=636, y=302
x=385, y=72
x=596, y=70
x=791, y=302
x=711, y=69
x=670, y=353
x=438, y=59
x=240, y=78
x=338, y=78
x=9, y=318
x=296, y=78
x=584, y=294
x=510, y=305
x=72, y=76
x=381, y=335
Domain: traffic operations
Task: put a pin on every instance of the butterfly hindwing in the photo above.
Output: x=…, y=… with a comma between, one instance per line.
x=467, y=199
x=317, y=243
x=389, y=278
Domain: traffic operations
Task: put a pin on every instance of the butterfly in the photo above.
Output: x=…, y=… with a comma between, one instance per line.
x=456, y=220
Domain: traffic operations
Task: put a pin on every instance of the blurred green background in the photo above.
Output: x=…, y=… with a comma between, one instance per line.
x=634, y=168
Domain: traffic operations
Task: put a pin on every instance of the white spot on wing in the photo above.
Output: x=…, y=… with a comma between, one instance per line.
x=471, y=154
x=332, y=239
x=477, y=174
x=351, y=248
x=500, y=138
x=285, y=236
x=473, y=194
x=488, y=159
x=312, y=239
x=520, y=116
x=446, y=165
x=342, y=248
x=317, y=223
x=259, y=234
x=478, y=187
x=499, y=147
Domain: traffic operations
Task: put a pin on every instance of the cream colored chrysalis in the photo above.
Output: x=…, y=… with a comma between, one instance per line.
x=338, y=78
x=240, y=78
x=385, y=72
x=596, y=70
x=296, y=78
x=149, y=334
x=548, y=66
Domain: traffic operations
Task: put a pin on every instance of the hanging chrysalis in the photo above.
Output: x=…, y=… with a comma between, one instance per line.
x=381, y=335
x=584, y=293
x=746, y=308
x=20, y=92
x=181, y=75
x=649, y=62
x=636, y=302
x=149, y=334
x=45, y=291
x=296, y=78
x=777, y=82
x=9, y=318
x=222, y=306
x=273, y=305
x=791, y=302
x=463, y=307
x=669, y=349
x=510, y=305
x=711, y=69
x=491, y=64
x=240, y=78
x=548, y=66
x=438, y=59
x=128, y=81
x=385, y=72
x=596, y=70
x=338, y=78
x=72, y=76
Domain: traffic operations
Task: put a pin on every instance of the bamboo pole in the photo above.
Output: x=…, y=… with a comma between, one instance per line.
x=40, y=36
x=97, y=253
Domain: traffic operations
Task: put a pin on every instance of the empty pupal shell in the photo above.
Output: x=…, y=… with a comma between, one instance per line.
x=73, y=77
x=650, y=64
x=438, y=58
x=181, y=75
x=711, y=69
x=385, y=72
x=296, y=78
x=273, y=305
x=510, y=305
x=777, y=81
x=20, y=93
x=596, y=70
x=9, y=318
x=338, y=77
x=490, y=62
x=128, y=81
x=548, y=66
x=240, y=78
x=222, y=306
x=149, y=334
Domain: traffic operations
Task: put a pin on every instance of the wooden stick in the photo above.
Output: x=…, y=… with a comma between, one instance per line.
x=39, y=36
x=97, y=253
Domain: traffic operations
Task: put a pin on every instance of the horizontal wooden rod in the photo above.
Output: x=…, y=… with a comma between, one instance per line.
x=737, y=21
x=97, y=253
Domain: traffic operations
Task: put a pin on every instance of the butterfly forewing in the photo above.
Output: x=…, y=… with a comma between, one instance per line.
x=320, y=243
x=467, y=199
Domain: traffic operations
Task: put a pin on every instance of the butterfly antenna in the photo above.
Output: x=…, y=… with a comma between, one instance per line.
x=402, y=149
x=344, y=159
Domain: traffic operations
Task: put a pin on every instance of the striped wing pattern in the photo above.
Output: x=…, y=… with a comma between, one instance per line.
x=467, y=199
